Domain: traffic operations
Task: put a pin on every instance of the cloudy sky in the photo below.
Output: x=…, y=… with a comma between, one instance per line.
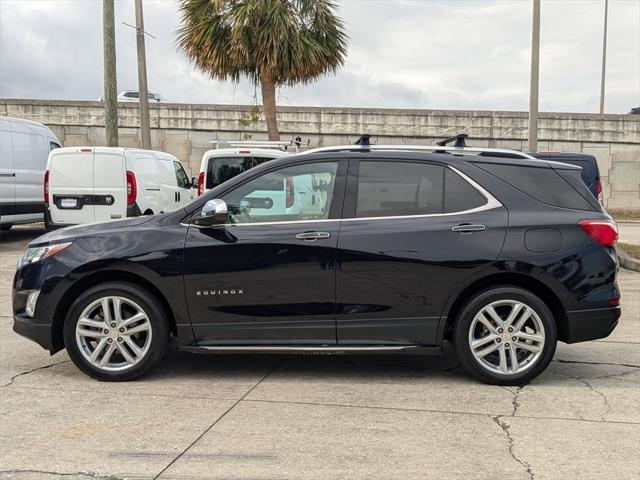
x=456, y=54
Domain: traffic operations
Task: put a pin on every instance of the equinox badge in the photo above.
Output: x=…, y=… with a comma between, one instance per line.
x=220, y=292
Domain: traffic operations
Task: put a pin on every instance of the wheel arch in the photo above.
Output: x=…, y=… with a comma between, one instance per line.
x=546, y=294
x=84, y=283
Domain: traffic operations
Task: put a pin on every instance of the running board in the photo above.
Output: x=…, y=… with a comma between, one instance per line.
x=316, y=350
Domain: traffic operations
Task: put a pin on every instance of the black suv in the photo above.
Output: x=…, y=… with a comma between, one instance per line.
x=344, y=249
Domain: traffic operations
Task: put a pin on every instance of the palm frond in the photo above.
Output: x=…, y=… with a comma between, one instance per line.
x=285, y=41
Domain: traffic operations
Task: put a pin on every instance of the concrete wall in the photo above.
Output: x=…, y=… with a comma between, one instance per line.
x=185, y=131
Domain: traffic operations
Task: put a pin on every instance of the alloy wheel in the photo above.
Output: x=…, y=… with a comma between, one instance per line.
x=506, y=337
x=113, y=333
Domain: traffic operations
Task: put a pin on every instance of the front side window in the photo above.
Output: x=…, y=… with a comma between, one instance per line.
x=300, y=192
x=53, y=146
x=181, y=176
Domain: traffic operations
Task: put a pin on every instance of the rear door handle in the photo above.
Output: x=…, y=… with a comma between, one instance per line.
x=467, y=228
x=311, y=236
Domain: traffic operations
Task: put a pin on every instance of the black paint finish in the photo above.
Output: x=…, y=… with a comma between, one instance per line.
x=383, y=281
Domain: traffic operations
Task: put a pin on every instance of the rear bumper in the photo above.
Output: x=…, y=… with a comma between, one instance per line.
x=584, y=325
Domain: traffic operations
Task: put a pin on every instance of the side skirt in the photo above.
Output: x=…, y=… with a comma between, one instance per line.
x=319, y=350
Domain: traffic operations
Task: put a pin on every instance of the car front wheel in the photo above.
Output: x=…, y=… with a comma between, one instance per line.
x=116, y=332
x=505, y=336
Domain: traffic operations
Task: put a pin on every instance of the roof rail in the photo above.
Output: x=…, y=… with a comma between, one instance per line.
x=501, y=152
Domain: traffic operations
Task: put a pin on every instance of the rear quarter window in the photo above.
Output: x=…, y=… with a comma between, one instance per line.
x=542, y=183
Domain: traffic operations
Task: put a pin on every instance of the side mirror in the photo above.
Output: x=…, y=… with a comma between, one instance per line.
x=214, y=212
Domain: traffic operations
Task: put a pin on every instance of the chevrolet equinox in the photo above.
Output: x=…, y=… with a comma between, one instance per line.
x=367, y=249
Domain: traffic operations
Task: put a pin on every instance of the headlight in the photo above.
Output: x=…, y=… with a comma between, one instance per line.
x=39, y=253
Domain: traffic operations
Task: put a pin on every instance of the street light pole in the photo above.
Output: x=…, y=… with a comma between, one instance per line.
x=110, y=80
x=604, y=55
x=535, y=78
x=145, y=127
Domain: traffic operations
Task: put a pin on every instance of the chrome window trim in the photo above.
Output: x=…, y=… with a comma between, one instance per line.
x=492, y=203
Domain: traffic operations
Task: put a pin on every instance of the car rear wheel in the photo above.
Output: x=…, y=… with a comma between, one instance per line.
x=505, y=336
x=116, y=332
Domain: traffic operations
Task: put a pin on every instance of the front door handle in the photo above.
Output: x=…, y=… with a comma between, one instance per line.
x=468, y=228
x=312, y=236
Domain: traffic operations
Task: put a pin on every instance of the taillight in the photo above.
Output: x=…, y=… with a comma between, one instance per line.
x=599, y=191
x=605, y=232
x=132, y=189
x=200, y=183
x=291, y=193
x=46, y=187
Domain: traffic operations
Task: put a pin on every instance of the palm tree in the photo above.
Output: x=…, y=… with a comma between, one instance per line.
x=271, y=42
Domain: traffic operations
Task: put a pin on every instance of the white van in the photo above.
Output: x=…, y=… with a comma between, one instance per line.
x=96, y=184
x=221, y=164
x=24, y=148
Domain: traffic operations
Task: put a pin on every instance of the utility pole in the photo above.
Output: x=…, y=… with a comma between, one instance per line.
x=535, y=78
x=145, y=127
x=110, y=79
x=604, y=55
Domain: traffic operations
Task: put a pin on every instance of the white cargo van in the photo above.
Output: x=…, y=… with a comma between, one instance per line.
x=24, y=148
x=221, y=164
x=96, y=184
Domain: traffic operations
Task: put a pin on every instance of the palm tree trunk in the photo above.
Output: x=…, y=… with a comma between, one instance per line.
x=269, y=106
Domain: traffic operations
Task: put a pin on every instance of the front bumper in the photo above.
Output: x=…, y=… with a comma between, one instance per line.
x=33, y=329
x=584, y=325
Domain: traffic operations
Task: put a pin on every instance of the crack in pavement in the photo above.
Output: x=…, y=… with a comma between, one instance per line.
x=558, y=360
x=505, y=428
x=63, y=474
x=16, y=376
x=602, y=395
x=269, y=372
x=584, y=381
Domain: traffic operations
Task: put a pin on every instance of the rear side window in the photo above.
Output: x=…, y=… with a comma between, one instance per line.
x=543, y=184
x=397, y=188
x=221, y=169
x=459, y=195
x=53, y=146
x=403, y=188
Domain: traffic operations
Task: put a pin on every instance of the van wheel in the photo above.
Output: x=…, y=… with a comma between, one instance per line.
x=116, y=332
x=148, y=212
x=505, y=336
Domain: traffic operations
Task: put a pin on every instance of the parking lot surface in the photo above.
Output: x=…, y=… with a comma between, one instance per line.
x=319, y=417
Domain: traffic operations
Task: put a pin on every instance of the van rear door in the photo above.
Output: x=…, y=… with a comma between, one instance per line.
x=109, y=186
x=7, y=174
x=71, y=176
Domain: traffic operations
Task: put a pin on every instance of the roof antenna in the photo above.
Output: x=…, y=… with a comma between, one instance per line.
x=459, y=139
x=364, y=140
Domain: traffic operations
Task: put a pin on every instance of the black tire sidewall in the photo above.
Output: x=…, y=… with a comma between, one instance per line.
x=485, y=297
x=151, y=307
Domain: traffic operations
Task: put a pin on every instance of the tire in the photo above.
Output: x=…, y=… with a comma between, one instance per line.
x=130, y=355
x=475, y=323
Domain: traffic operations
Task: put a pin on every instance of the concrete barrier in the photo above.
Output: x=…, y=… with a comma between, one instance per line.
x=186, y=129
